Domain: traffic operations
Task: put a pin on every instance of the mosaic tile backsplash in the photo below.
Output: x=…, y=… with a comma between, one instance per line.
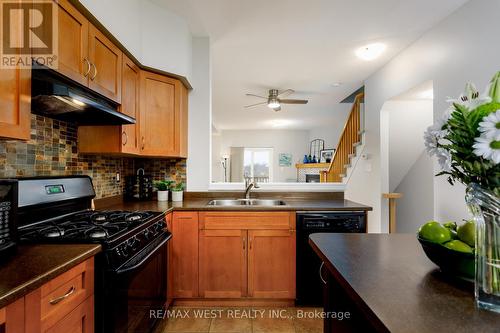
x=52, y=151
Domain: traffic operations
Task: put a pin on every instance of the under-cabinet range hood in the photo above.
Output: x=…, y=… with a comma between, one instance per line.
x=55, y=96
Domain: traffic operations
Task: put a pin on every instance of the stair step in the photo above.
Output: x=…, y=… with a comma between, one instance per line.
x=356, y=144
x=351, y=155
x=347, y=166
x=342, y=175
x=361, y=132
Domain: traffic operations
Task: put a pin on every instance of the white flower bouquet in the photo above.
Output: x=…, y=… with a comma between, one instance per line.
x=466, y=140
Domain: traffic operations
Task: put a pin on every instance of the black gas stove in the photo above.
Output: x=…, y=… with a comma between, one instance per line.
x=131, y=271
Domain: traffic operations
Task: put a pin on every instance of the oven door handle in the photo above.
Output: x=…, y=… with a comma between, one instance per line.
x=150, y=254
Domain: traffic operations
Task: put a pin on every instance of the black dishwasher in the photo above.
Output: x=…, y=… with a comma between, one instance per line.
x=309, y=281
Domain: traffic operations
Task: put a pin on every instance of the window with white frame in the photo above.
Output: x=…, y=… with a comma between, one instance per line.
x=257, y=165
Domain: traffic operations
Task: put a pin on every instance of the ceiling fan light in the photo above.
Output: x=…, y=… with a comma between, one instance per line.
x=273, y=103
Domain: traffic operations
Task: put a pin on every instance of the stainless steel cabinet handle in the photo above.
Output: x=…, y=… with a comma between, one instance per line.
x=95, y=72
x=88, y=66
x=60, y=298
x=143, y=143
x=250, y=243
x=244, y=243
x=124, y=138
x=320, y=272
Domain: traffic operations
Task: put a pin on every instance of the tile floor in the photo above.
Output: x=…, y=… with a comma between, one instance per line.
x=242, y=320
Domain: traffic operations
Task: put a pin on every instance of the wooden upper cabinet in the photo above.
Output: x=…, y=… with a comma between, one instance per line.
x=271, y=264
x=130, y=106
x=106, y=62
x=223, y=263
x=73, y=43
x=15, y=103
x=160, y=115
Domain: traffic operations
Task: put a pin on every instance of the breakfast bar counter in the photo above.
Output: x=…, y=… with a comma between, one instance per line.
x=388, y=285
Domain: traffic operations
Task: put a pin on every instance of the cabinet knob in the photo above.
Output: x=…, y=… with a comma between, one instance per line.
x=124, y=138
x=87, y=62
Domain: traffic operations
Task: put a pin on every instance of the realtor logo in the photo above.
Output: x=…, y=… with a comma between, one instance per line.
x=28, y=33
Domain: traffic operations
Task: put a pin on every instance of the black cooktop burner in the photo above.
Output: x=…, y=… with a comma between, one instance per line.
x=86, y=226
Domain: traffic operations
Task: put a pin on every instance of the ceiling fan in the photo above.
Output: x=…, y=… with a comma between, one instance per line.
x=275, y=99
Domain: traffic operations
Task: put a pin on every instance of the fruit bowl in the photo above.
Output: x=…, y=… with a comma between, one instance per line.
x=458, y=264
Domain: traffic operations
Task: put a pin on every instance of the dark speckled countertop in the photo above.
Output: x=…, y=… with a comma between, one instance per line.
x=200, y=203
x=398, y=287
x=33, y=265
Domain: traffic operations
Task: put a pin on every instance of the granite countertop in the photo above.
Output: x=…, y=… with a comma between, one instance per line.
x=34, y=265
x=390, y=278
x=292, y=204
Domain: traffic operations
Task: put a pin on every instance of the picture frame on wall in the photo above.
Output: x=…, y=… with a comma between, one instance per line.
x=285, y=160
x=326, y=155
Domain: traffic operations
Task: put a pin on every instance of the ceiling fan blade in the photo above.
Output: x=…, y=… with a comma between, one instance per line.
x=294, y=101
x=252, y=95
x=254, y=105
x=285, y=93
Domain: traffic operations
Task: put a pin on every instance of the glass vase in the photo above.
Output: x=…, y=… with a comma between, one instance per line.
x=485, y=207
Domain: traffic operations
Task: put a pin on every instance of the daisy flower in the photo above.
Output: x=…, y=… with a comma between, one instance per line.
x=490, y=126
x=488, y=148
x=471, y=98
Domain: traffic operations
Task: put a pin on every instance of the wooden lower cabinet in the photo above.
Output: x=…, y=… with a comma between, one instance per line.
x=184, y=254
x=223, y=263
x=232, y=255
x=12, y=317
x=271, y=264
x=80, y=320
x=65, y=304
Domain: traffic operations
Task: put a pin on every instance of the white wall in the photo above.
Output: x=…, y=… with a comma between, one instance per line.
x=200, y=118
x=457, y=50
x=155, y=36
x=407, y=122
x=294, y=142
x=417, y=204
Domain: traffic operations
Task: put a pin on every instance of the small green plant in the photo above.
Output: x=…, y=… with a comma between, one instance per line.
x=178, y=187
x=163, y=185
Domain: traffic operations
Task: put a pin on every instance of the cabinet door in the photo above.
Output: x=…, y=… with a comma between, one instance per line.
x=15, y=103
x=160, y=102
x=12, y=317
x=185, y=254
x=80, y=320
x=105, y=76
x=73, y=43
x=223, y=263
x=15, y=100
x=130, y=105
x=271, y=264
x=182, y=149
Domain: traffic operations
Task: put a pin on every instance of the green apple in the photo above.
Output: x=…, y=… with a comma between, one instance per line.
x=467, y=233
x=435, y=232
x=450, y=225
x=458, y=245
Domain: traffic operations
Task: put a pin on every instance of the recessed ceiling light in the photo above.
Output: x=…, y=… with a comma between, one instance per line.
x=370, y=52
x=336, y=84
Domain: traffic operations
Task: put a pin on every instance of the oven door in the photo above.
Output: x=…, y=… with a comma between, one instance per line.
x=136, y=289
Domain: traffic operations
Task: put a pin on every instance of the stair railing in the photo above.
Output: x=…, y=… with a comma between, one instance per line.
x=349, y=140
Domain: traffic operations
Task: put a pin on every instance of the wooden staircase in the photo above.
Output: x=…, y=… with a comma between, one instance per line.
x=346, y=148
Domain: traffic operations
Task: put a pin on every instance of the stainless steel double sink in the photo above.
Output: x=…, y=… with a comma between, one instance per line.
x=247, y=202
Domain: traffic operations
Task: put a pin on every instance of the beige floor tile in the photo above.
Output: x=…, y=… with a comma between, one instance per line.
x=231, y=325
x=273, y=325
x=188, y=324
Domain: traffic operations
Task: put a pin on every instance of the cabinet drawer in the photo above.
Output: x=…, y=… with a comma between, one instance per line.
x=247, y=220
x=80, y=320
x=63, y=294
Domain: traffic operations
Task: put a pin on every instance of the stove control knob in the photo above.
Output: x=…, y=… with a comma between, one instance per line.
x=147, y=233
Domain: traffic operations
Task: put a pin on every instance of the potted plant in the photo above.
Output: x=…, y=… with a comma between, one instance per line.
x=163, y=186
x=177, y=192
x=466, y=142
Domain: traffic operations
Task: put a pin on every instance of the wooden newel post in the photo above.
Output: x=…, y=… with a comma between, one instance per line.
x=392, y=209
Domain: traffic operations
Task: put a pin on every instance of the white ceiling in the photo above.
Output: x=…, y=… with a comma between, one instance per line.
x=303, y=45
